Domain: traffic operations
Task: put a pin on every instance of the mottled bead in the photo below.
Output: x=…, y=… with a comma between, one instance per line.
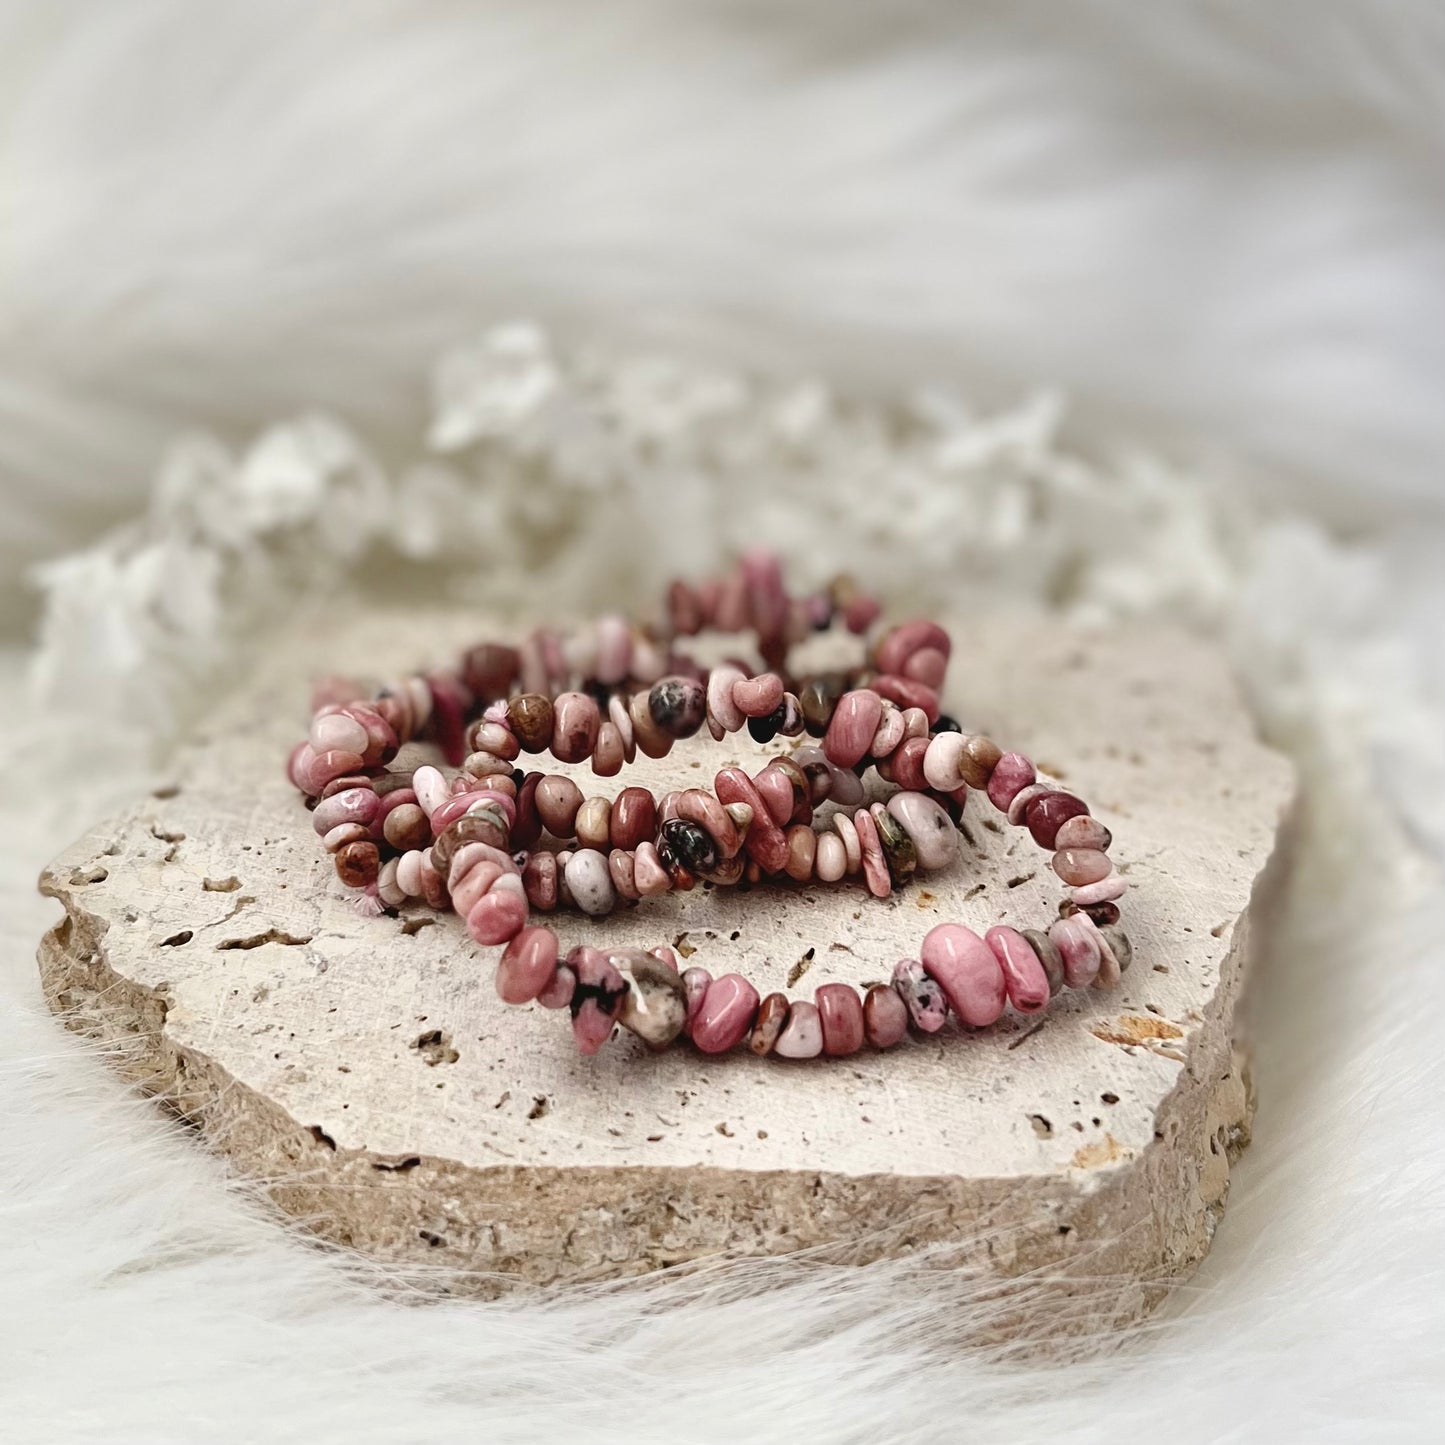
x=621, y=719
x=1046, y=815
x=357, y=864
x=726, y=1016
x=885, y=1016
x=1083, y=832
x=1049, y=957
x=847, y=833
x=979, y=758
x=493, y=738
x=942, y=763
x=802, y=850
x=772, y=1017
x=590, y=883
x=655, y=1006
x=1079, y=949
x=597, y=998
x=1080, y=866
x=934, y=837
x=854, y=722
x=690, y=845
x=906, y=693
x=1012, y=773
x=898, y=850
x=758, y=696
x=678, y=706
x=840, y=1011
x=889, y=734
x=593, y=824
x=802, y=1035
x=575, y=724
x=967, y=971
x=875, y=865
x=406, y=827
x=343, y=833
x=633, y=818
x=557, y=800
x=765, y=843
x=789, y=714
x=1024, y=977
x=527, y=965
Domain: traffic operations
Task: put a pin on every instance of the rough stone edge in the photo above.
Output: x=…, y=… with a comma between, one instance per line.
x=630, y=1220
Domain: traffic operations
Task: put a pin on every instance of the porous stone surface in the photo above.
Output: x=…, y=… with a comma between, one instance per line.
x=364, y=1070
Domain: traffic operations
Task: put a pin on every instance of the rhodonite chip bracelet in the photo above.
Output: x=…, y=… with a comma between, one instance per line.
x=498, y=843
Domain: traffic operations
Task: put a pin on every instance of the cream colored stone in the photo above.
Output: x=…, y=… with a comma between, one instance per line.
x=365, y=1069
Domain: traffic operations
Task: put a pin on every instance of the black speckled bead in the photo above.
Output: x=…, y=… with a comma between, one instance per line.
x=898, y=850
x=692, y=846
x=678, y=706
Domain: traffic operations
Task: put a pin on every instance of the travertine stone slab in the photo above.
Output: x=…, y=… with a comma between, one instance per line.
x=365, y=1070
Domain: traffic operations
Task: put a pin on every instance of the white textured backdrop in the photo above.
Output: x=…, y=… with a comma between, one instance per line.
x=1096, y=310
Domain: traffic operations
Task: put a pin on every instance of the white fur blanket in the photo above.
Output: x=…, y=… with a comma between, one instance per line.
x=774, y=248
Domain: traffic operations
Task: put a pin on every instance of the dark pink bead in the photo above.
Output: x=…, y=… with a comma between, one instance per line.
x=597, y=998
x=906, y=765
x=765, y=844
x=841, y=1013
x=1046, y=815
x=851, y=728
x=908, y=638
x=907, y=693
x=967, y=971
x=1011, y=774
x=527, y=965
x=726, y=1016
x=1024, y=976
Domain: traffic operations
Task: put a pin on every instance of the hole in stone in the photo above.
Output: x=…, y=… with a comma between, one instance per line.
x=400, y=1167
x=540, y=1106
x=435, y=1047
x=221, y=885
x=321, y=1136
x=1042, y=1127
x=259, y=940
x=176, y=939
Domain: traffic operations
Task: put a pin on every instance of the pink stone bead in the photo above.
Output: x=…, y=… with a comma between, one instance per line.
x=448, y=717
x=802, y=1035
x=727, y=1013
x=1110, y=974
x=967, y=972
x=338, y=837
x=840, y=1011
x=724, y=716
x=621, y=719
x=473, y=885
x=1079, y=950
x=408, y=873
x=575, y=725
x=527, y=965
x=597, y=998
x=1024, y=798
x=851, y=729
x=909, y=637
x=885, y=1016
x=907, y=693
x=663, y=954
x=614, y=650
x=609, y=754
x=1083, y=832
x=776, y=791
x=621, y=865
x=847, y=832
x=875, y=864
x=312, y=770
x=1080, y=866
x=497, y=916
x=430, y=787
x=831, y=860
x=767, y=597
x=1024, y=977
x=942, y=762
x=758, y=696
x=354, y=805
x=695, y=984
x=766, y=843
x=906, y=764
x=1106, y=890
x=922, y=998
x=335, y=732
x=1011, y=774
x=928, y=666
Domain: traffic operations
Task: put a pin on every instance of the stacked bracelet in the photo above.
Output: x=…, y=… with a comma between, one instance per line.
x=472, y=842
